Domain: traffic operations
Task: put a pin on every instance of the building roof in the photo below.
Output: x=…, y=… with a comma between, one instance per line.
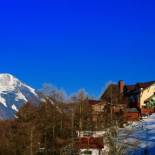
x=93, y=102
x=132, y=88
x=89, y=142
x=112, y=89
x=145, y=84
x=111, y=94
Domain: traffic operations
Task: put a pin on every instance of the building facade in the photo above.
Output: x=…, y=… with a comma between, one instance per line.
x=137, y=96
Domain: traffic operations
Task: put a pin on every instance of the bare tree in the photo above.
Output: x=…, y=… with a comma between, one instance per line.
x=53, y=92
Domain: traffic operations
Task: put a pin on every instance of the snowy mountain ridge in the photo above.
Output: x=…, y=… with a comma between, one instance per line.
x=13, y=95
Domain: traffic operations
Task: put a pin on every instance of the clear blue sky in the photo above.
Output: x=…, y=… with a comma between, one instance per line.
x=78, y=43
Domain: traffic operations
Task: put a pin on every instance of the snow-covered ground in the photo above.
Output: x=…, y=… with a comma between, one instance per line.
x=139, y=137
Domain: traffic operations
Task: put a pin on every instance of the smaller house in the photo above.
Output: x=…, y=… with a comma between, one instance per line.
x=90, y=145
x=90, y=142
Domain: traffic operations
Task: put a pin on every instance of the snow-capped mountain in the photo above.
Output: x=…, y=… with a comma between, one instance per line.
x=13, y=95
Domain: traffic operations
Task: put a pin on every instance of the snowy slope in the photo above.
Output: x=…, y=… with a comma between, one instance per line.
x=140, y=137
x=13, y=95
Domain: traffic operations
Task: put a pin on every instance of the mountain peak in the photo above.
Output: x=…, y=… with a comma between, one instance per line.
x=8, y=80
x=6, y=75
x=13, y=95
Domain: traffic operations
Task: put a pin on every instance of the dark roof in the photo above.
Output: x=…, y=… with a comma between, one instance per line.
x=145, y=84
x=93, y=102
x=112, y=89
x=89, y=142
x=111, y=94
x=131, y=88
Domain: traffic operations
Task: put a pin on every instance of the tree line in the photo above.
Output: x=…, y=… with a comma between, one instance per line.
x=45, y=128
x=50, y=127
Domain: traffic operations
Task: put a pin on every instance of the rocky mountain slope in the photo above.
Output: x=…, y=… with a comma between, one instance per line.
x=13, y=95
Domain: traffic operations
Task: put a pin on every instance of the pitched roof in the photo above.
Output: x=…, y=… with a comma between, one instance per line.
x=111, y=94
x=145, y=84
x=131, y=88
x=89, y=142
x=112, y=89
x=93, y=102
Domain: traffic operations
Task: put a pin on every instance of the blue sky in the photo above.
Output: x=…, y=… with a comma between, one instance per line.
x=78, y=44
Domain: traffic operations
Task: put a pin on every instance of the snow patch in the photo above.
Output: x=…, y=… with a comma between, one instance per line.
x=14, y=108
x=20, y=96
x=13, y=94
x=31, y=90
x=3, y=101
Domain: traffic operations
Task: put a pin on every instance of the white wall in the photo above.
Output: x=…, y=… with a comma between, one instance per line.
x=94, y=151
x=146, y=93
x=90, y=133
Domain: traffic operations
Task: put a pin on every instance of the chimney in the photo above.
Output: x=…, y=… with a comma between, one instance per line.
x=121, y=86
